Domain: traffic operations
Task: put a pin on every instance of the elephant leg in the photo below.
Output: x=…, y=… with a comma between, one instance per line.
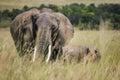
x=49, y=53
x=57, y=53
x=54, y=55
x=60, y=52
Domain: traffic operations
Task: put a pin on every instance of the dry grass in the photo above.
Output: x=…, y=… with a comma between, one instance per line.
x=9, y=4
x=13, y=68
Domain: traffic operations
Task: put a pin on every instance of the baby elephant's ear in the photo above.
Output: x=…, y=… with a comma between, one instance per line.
x=86, y=51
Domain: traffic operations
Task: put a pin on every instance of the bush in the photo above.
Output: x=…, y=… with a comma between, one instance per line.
x=88, y=17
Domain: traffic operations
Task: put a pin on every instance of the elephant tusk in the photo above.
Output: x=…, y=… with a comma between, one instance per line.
x=49, y=54
x=34, y=54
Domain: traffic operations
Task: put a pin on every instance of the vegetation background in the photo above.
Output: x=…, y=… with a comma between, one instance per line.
x=96, y=22
x=86, y=15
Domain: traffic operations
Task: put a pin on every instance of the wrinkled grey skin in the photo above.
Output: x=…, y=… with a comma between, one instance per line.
x=80, y=54
x=44, y=29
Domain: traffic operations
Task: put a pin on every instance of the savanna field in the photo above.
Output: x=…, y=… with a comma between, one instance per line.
x=108, y=68
x=12, y=67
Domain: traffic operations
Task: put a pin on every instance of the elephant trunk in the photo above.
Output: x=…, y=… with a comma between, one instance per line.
x=43, y=44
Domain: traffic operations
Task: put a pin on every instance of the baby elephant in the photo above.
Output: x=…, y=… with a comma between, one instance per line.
x=83, y=54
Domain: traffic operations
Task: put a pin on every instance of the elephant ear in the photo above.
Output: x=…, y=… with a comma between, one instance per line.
x=66, y=30
x=86, y=50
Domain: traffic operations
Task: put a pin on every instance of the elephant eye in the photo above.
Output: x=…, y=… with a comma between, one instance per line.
x=25, y=22
x=96, y=51
x=53, y=27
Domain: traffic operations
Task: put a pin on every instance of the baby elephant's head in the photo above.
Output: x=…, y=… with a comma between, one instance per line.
x=91, y=55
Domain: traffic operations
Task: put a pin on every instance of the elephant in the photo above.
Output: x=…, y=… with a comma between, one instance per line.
x=80, y=53
x=42, y=32
x=23, y=32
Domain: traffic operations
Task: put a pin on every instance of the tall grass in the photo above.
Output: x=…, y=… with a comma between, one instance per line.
x=108, y=42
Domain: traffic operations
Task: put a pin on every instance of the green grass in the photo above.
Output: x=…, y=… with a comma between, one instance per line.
x=10, y=4
x=108, y=42
x=5, y=23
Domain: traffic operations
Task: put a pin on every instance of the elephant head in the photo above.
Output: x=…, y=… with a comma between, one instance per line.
x=54, y=31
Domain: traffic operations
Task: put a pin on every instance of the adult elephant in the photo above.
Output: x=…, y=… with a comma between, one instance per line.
x=22, y=31
x=46, y=33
